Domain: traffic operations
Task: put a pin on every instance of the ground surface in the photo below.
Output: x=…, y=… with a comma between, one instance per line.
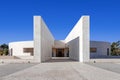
x=60, y=70
x=114, y=67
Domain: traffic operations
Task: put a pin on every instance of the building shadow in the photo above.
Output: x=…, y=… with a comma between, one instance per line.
x=60, y=60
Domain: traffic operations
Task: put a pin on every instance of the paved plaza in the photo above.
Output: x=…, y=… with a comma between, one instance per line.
x=60, y=70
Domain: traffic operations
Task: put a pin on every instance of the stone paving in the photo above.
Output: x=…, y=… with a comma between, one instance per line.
x=7, y=69
x=59, y=71
x=114, y=67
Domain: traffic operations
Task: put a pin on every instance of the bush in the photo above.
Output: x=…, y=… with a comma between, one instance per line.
x=4, y=49
x=1, y=52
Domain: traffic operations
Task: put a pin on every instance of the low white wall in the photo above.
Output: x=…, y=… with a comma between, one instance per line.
x=101, y=48
x=17, y=48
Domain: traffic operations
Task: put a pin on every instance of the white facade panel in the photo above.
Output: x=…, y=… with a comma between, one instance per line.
x=81, y=31
x=101, y=49
x=37, y=38
x=47, y=42
x=75, y=32
x=43, y=40
x=60, y=44
x=17, y=48
x=74, y=49
x=84, y=41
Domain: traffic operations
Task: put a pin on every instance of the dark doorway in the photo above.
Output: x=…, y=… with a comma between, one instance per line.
x=11, y=52
x=107, y=51
x=59, y=52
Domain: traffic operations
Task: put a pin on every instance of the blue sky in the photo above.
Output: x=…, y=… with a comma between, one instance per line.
x=16, y=18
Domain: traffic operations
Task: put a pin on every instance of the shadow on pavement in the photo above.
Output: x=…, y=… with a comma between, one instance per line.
x=60, y=60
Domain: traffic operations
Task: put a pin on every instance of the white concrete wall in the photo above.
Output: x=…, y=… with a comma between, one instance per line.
x=84, y=41
x=59, y=44
x=80, y=31
x=43, y=40
x=47, y=42
x=17, y=48
x=74, y=49
x=37, y=38
x=101, y=48
x=73, y=41
x=75, y=32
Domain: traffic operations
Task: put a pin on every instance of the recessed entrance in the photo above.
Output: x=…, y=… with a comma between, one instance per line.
x=59, y=52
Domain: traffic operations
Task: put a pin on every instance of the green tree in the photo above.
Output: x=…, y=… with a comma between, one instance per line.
x=1, y=52
x=3, y=46
x=4, y=49
x=115, y=48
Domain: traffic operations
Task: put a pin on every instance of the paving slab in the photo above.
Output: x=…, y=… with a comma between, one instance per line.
x=7, y=69
x=63, y=71
x=114, y=67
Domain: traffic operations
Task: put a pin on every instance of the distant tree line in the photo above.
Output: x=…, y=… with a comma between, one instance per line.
x=4, y=49
x=115, y=48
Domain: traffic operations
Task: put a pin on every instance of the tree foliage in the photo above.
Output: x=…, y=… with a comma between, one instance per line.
x=4, y=49
x=115, y=48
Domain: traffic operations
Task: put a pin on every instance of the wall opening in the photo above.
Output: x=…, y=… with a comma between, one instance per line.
x=60, y=52
x=93, y=50
x=28, y=50
x=107, y=51
x=11, y=52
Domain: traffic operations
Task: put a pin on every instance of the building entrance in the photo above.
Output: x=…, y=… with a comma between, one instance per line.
x=59, y=52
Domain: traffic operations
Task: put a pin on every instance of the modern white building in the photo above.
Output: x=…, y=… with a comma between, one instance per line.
x=76, y=46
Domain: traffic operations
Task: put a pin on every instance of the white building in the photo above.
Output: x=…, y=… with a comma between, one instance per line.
x=76, y=46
